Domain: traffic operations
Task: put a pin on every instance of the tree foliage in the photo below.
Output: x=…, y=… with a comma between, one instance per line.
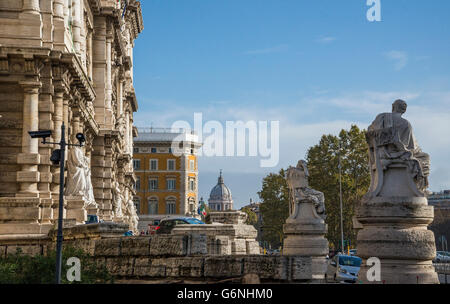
x=274, y=207
x=323, y=165
x=18, y=268
x=252, y=219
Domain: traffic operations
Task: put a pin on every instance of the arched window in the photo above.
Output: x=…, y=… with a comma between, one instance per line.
x=153, y=205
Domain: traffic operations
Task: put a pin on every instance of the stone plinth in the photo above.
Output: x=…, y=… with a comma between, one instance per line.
x=305, y=236
x=76, y=210
x=395, y=231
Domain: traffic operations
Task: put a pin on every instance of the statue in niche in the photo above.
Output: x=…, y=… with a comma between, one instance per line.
x=392, y=142
x=79, y=177
x=300, y=192
x=117, y=201
x=132, y=215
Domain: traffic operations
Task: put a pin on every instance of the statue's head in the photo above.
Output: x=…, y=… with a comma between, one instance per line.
x=399, y=106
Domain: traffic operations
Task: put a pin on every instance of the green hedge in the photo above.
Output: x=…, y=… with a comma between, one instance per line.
x=19, y=268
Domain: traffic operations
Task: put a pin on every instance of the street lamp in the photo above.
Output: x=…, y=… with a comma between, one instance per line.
x=57, y=157
x=340, y=197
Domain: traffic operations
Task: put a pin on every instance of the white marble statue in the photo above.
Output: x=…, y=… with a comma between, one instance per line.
x=117, y=201
x=132, y=216
x=79, y=177
x=392, y=142
x=299, y=190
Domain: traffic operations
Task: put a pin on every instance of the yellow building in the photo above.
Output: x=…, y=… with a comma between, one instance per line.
x=166, y=167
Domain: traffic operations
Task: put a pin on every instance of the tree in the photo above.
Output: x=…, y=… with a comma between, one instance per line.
x=252, y=219
x=274, y=207
x=323, y=166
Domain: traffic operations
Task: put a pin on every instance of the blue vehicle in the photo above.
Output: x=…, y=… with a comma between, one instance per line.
x=128, y=233
x=166, y=225
x=92, y=219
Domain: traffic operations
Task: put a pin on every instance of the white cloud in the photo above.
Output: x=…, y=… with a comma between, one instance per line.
x=399, y=57
x=326, y=39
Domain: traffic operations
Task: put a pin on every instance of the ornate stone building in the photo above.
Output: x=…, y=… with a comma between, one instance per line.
x=220, y=198
x=71, y=62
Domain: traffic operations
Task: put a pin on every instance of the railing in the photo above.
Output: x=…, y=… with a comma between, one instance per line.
x=165, y=130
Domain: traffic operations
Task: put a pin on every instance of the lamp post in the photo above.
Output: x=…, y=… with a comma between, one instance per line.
x=340, y=197
x=58, y=157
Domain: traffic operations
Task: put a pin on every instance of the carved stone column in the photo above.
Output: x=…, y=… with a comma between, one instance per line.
x=108, y=85
x=28, y=177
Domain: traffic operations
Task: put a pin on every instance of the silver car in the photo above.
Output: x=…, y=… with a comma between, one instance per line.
x=343, y=268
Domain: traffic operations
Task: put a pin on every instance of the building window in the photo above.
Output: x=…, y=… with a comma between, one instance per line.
x=171, y=207
x=153, y=206
x=171, y=182
x=170, y=150
x=137, y=205
x=153, y=184
x=135, y=150
x=153, y=164
x=170, y=164
x=192, y=165
x=191, y=205
x=153, y=150
x=137, y=185
x=136, y=164
x=191, y=184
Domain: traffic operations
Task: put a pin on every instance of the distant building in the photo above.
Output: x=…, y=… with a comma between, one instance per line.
x=166, y=179
x=220, y=198
x=441, y=224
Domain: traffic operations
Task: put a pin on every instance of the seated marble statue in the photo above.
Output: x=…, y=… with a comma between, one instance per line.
x=391, y=137
x=300, y=192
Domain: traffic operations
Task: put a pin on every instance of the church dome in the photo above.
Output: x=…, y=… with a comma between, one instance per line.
x=220, y=191
x=220, y=197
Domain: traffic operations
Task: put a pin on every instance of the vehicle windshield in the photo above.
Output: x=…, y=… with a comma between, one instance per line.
x=350, y=261
x=193, y=221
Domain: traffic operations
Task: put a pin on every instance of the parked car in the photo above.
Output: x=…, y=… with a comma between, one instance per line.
x=128, y=233
x=166, y=225
x=343, y=268
x=442, y=257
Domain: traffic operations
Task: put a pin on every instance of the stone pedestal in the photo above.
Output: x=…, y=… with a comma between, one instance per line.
x=395, y=231
x=76, y=210
x=305, y=236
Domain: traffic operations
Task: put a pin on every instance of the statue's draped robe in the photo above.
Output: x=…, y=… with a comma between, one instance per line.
x=398, y=143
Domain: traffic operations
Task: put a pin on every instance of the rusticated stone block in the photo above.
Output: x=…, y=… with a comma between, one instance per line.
x=301, y=268
x=142, y=266
x=168, y=245
x=120, y=266
x=28, y=158
x=136, y=246
x=28, y=176
x=108, y=247
x=266, y=267
x=224, y=266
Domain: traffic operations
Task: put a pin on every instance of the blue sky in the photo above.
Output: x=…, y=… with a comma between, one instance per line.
x=315, y=66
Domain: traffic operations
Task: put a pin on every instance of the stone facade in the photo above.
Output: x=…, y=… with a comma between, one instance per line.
x=71, y=62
